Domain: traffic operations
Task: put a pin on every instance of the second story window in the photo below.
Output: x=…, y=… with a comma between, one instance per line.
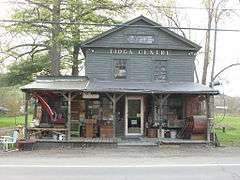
x=120, y=69
x=160, y=71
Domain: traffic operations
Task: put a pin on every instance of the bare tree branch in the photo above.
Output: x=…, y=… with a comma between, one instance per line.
x=176, y=24
x=25, y=45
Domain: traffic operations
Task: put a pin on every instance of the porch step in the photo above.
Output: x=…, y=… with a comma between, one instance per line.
x=133, y=142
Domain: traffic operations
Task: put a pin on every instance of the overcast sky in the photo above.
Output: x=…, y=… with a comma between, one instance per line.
x=228, y=44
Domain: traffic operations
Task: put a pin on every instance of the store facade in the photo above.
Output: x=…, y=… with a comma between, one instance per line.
x=139, y=83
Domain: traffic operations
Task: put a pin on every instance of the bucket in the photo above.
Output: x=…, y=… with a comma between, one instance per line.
x=61, y=137
x=162, y=133
x=173, y=134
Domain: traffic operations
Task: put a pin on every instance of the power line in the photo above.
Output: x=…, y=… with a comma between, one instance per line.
x=113, y=25
x=138, y=5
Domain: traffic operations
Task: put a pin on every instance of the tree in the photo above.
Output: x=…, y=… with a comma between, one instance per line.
x=218, y=15
x=24, y=71
x=57, y=26
x=215, y=10
x=209, y=5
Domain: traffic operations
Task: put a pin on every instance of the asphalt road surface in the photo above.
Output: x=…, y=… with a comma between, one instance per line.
x=123, y=164
x=180, y=172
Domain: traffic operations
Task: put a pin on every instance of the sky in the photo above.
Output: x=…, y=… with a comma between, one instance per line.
x=228, y=46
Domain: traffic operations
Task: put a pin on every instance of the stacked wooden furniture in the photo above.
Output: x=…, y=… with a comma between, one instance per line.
x=76, y=108
x=106, y=131
x=152, y=132
x=90, y=128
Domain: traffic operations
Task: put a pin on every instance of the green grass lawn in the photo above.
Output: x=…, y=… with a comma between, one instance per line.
x=12, y=121
x=232, y=135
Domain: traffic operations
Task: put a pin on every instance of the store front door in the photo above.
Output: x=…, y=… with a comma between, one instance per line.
x=134, y=116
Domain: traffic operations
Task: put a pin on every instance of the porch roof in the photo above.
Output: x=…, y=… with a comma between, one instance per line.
x=68, y=83
x=150, y=87
x=58, y=83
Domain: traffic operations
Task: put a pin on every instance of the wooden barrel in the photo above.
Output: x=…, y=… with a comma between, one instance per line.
x=199, y=124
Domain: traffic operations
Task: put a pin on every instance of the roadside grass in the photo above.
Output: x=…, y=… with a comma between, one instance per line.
x=6, y=121
x=231, y=137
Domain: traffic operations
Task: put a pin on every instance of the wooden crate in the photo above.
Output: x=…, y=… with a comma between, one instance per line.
x=106, y=131
x=152, y=132
x=89, y=132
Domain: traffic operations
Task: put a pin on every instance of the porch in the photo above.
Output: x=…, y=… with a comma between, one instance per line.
x=108, y=115
x=112, y=142
x=138, y=118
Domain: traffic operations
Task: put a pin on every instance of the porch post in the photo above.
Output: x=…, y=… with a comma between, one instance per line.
x=114, y=100
x=26, y=116
x=35, y=109
x=209, y=108
x=154, y=108
x=69, y=117
x=114, y=115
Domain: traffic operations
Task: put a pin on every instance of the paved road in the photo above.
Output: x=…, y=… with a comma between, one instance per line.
x=122, y=164
x=172, y=172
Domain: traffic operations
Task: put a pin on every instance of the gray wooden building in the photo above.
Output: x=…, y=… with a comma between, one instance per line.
x=139, y=83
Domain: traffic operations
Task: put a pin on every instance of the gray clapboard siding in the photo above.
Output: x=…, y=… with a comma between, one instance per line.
x=139, y=67
x=119, y=39
x=100, y=58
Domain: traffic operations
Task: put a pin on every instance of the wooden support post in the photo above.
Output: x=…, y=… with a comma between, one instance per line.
x=26, y=116
x=35, y=109
x=162, y=102
x=114, y=100
x=114, y=115
x=209, y=111
x=161, y=107
x=154, y=108
x=69, y=99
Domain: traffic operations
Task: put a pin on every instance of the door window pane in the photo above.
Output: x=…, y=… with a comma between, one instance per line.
x=134, y=116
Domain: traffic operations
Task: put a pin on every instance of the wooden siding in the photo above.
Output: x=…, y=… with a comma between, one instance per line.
x=119, y=39
x=100, y=55
x=100, y=65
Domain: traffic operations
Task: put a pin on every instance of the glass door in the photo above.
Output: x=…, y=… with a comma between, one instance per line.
x=134, y=116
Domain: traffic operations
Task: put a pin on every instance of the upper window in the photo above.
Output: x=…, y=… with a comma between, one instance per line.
x=120, y=69
x=143, y=39
x=160, y=71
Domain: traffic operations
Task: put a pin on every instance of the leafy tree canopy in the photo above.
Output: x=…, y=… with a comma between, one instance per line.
x=24, y=71
x=50, y=28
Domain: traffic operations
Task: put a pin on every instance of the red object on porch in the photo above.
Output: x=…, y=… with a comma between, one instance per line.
x=44, y=105
x=54, y=117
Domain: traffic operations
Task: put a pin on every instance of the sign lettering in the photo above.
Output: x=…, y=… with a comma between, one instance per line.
x=159, y=52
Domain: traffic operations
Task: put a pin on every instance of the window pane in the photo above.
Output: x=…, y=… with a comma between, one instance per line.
x=120, y=69
x=160, y=71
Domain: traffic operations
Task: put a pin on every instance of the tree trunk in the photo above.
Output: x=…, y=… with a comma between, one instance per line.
x=207, y=49
x=55, y=50
x=214, y=52
x=75, y=66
